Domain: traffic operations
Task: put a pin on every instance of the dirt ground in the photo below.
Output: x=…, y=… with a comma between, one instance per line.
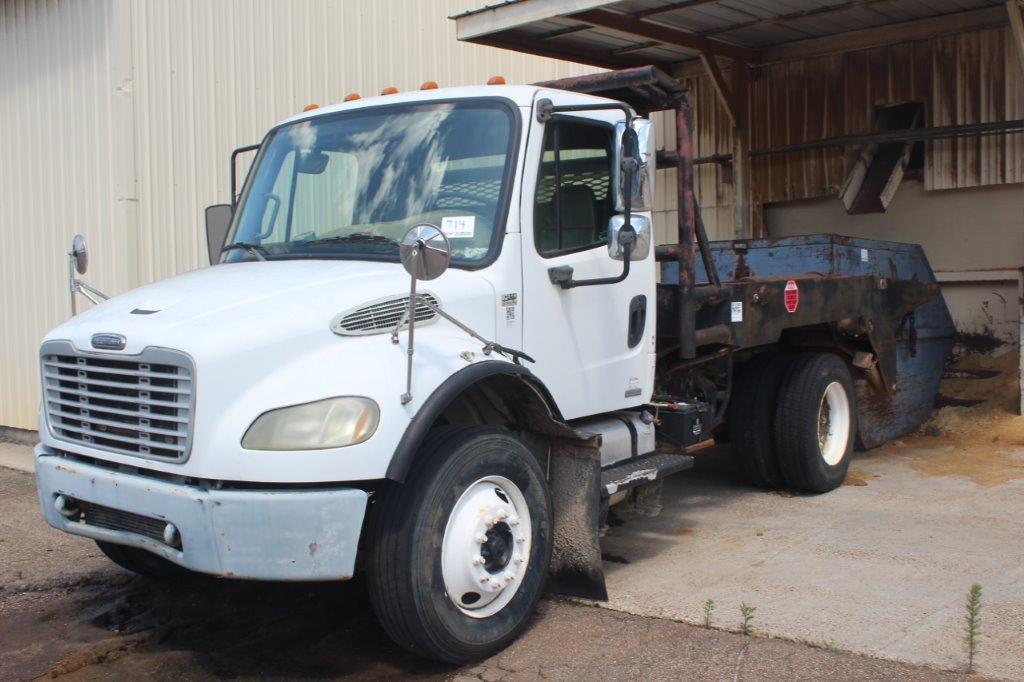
x=66, y=612
x=880, y=566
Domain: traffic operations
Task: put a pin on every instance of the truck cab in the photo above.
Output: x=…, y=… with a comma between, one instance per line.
x=303, y=408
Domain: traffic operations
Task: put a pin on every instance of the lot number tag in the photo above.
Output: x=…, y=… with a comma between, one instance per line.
x=458, y=227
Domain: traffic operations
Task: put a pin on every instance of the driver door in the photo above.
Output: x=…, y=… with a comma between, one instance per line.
x=581, y=337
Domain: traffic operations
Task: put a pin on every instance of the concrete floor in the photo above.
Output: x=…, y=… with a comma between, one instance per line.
x=881, y=566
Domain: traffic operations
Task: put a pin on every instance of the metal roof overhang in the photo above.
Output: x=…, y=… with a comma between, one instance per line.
x=672, y=34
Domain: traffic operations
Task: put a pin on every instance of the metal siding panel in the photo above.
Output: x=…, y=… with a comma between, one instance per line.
x=60, y=99
x=121, y=115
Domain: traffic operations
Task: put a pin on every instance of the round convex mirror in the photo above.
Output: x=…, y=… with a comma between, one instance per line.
x=425, y=252
x=80, y=252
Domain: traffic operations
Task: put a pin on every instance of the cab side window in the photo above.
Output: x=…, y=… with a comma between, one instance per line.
x=573, y=198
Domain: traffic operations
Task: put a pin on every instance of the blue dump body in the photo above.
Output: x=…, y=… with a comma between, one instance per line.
x=918, y=369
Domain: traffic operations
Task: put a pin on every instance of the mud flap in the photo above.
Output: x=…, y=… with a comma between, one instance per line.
x=575, y=483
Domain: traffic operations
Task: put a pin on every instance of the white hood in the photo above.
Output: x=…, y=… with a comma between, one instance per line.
x=259, y=304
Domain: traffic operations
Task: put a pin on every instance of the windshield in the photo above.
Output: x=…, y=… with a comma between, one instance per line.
x=351, y=185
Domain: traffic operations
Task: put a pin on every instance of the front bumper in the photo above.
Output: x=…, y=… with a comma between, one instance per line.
x=291, y=535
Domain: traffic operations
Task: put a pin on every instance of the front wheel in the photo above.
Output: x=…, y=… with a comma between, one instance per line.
x=815, y=422
x=140, y=561
x=457, y=555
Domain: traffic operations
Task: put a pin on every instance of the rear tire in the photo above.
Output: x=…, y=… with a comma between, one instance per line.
x=458, y=554
x=140, y=561
x=815, y=422
x=751, y=419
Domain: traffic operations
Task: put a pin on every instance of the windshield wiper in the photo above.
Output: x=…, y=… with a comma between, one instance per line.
x=254, y=249
x=351, y=238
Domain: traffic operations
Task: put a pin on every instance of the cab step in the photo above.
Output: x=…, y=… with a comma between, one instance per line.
x=636, y=471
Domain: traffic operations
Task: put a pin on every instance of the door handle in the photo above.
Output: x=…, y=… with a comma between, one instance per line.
x=637, y=320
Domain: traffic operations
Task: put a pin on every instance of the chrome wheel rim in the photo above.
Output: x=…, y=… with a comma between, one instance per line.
x=485, y=552
x=834, y=419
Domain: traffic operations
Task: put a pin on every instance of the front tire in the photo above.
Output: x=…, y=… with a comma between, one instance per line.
x=140, y=561
x=815, y=423
x=457, y=555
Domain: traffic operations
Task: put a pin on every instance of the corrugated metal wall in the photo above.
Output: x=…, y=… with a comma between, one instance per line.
x=970, y=77
x=64, y=105
x=119, y=117
x=966, y=78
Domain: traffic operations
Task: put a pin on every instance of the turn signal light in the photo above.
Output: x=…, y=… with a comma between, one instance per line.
x=390, y=90
x=429, y=85
x=310, y=107
x=496, y=80
x=352, y=97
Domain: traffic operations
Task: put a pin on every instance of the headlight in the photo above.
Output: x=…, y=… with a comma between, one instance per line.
x=330, y=423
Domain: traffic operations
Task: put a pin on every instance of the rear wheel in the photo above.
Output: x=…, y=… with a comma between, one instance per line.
x=140, y=561
x=815, y=422
x=751, y=418
x=457, y=555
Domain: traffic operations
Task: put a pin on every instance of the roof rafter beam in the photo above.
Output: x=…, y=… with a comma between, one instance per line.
x=916, y=29
x=802, y=14
x=724, y=91
x=685, y=4
x=623, y=23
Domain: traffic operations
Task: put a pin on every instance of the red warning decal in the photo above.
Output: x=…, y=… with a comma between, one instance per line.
x=792, y=296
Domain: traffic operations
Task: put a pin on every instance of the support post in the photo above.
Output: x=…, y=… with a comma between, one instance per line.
x=1013, y=8
x=687, y=221
x=742, y=180
x=734, y=99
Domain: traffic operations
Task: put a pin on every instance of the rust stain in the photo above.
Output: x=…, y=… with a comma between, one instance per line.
x=858, y=477
x=684, y=531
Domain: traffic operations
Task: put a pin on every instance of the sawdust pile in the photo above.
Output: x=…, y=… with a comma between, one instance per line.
x=986, y=395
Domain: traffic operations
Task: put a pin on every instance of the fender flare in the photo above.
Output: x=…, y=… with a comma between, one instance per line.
x=442, y=397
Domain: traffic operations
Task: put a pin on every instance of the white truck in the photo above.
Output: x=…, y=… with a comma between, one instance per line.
x=304, y=409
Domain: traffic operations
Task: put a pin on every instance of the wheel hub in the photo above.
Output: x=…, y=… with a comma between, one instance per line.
x=834, y=422
x=486, y=547
x=497, y=548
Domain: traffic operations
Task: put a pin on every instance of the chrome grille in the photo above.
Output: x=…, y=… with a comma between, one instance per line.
x=137, y=405
x=382, y=316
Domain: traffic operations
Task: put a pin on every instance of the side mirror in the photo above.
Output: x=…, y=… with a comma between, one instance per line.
x=80, y=254
x=641, y=236
x=425, y=252
x=642, y=189
x=218, y=220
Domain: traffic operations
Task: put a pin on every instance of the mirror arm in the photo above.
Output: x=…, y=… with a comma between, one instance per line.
x=562, y=276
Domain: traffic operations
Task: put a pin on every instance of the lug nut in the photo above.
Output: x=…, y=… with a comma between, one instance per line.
x=480, y=538
x=520, y=539
x=502, y=514
x=510, y=576
x=519, y=559
x=513, y=520
x=478, y=560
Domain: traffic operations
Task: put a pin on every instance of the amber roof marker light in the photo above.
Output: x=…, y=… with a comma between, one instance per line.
x=390, y=90
x=496, y=80
x=429, y=85
x=310, y=107
x=352, y=97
